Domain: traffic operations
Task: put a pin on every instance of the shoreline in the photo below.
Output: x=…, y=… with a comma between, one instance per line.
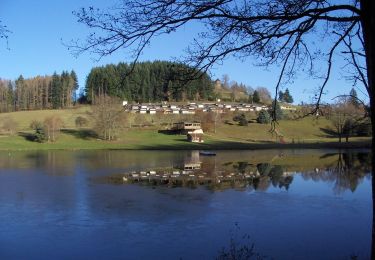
x=225, y=145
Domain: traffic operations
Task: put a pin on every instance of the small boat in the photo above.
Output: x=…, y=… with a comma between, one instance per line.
x=207, y=153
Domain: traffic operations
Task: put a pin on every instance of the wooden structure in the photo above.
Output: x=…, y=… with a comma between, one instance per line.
x=192, y=166
x=195, y=136
x=187, y=126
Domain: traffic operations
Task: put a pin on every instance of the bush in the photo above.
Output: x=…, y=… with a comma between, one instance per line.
x=39, y=135
x=81, y=121
x=9, y=126
x=243, y=122
x=263, y=117
x=241, y=119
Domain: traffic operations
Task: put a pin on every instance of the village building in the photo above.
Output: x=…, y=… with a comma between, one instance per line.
x=288, y=107
x=192, y=108
x=195, y=136
x=152, y=111
x=187, y=126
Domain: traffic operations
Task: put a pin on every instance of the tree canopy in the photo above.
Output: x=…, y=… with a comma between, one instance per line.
x=148, y=82
x=285, y=96
x=40, y=92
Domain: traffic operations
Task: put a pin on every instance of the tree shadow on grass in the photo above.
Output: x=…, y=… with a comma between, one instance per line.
x=85, y=134
x=169, y=132
x=181, y=144
x=28, y=136
x=328, y=132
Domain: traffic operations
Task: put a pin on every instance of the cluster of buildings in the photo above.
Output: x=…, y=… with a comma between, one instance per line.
x=193, y=131
x=191, y=108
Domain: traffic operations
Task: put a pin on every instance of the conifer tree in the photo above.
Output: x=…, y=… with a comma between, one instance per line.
x=287, y=97
x=56, y=91
x=263, y=117
x=353, y=98
x=256, y=97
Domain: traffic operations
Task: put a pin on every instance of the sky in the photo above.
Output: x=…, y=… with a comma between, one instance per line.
x=40, y=27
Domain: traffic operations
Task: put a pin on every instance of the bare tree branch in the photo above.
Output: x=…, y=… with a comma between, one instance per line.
x=274, y=32
x=4, y=32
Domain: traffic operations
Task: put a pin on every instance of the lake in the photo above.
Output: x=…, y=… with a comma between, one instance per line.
x=279, y=204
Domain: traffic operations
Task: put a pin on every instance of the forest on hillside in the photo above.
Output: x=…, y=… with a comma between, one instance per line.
x=41, y=92
x=149, y=82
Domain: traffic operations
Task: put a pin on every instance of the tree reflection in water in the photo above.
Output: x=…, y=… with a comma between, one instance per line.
x=60, y=182
x=345, y=170
x=346, y=174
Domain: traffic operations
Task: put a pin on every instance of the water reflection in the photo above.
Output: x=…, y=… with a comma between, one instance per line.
x=345, y=170
x=76, y=204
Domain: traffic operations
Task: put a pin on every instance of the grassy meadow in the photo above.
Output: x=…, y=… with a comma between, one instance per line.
x=304, y=133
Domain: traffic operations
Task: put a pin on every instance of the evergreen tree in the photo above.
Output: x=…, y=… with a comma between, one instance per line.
x=250, y=99
x=263, y=117
x=276, y=111
x=74, y=78
x=353, y=98
x=21, y=102
x=148, y=82
x=256, y=97
x=56, y=89
x=10, y=97
x=281, y=96
x=287, y=97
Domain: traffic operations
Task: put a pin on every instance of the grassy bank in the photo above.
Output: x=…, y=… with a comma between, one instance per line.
x=151, y=139
x=306, y=133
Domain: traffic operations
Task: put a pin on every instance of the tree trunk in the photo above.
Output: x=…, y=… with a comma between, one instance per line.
x=368, y=25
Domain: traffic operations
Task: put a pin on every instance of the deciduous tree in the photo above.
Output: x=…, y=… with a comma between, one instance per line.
x=264, y=95
x=344, y=117
x=52, y=126
x=107, y=117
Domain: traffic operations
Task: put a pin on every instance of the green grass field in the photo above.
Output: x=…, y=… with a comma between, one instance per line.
x=305, y=133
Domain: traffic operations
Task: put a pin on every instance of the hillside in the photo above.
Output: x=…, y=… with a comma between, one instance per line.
x=226, y=94
x=308, y=132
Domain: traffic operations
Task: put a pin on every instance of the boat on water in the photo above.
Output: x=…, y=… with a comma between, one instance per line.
x=207, y=153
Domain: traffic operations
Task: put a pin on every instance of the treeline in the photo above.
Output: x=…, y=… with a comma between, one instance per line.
x=149, y=82
x=41, y=92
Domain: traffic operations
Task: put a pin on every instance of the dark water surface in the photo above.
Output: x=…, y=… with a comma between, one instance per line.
x=301, y=204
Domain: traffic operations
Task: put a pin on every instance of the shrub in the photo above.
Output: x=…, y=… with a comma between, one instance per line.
x=39, y=135
x=263, y=117
x=81, y=121
x=241, y=119
x=9, y=125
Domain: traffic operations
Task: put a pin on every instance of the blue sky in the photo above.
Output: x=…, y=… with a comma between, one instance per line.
x=39, y=27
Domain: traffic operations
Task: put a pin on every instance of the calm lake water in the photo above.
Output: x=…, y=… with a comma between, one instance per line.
x=303, y=204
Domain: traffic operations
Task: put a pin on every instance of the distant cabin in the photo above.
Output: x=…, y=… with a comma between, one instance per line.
x=195, y=136
x=192, y=166
x=187, y=126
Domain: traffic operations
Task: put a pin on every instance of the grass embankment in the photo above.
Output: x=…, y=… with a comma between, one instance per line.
x=306, y=133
